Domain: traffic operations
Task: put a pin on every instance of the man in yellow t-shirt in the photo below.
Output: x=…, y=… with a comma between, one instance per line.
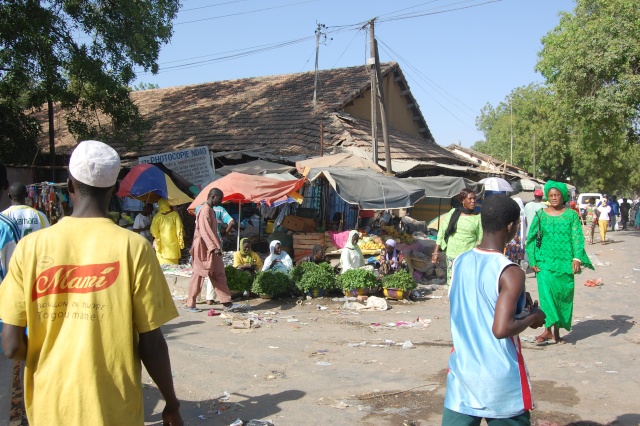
x=93, y=307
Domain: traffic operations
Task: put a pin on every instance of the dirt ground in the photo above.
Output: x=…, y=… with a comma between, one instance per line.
x=310, y=366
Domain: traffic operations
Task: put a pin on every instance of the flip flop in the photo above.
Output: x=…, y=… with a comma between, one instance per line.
x=540, y=339
x=191, y=310
x=213, y=313
x=590, y=283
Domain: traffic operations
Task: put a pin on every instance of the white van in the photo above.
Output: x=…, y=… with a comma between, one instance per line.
x=583, y=201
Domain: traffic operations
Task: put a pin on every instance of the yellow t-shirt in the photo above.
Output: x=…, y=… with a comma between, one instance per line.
x=85, y=288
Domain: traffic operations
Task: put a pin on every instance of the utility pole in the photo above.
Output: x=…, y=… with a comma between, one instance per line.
x=374, y=92
x=534, y=155
x=315, y=83
x=511, y=108
x=383, y=113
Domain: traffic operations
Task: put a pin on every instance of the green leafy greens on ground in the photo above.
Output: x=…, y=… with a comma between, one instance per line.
x=401, y=280
x=315, y=277
x=237, y=280
x=357, y=278
x=271, y=283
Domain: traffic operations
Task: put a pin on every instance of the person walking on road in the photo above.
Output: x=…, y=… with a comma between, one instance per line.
x=27, y=218
x=489, y=306
x=555, y=245
x=604, y=213
x=93, y=297
x=591, y=217
x=206, y=252
x=625, y=208
x=532, y=207
x=460, y=231
x=615, y=211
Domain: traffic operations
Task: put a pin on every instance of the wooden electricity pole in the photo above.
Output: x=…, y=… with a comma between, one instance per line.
x=383, y=113
x=374, y=92
x=534, y=155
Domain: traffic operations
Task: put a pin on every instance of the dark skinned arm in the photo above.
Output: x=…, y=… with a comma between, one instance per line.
x=511, y=287
x=14, y=342
x=230, y=226
x=155, y=357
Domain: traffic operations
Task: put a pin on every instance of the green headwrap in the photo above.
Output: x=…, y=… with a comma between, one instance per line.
x=562, y=187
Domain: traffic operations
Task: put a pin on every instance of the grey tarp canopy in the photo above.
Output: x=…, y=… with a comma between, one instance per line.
x=368, y=189
x=257, y=167
x=445, y=186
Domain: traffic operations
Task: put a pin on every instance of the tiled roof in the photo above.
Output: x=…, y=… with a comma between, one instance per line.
x=266, y=114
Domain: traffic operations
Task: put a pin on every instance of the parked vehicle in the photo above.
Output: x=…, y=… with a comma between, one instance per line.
x=583, y=201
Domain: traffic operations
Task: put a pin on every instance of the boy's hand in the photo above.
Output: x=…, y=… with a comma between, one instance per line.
x=529, y=302
x=538, y=316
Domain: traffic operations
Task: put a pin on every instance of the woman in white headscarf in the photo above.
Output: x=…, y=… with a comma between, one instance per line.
x=278, y=260
x=351, y=257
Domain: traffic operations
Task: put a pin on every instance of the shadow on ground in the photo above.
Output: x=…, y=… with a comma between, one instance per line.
x=618, y=324
x=217, y=411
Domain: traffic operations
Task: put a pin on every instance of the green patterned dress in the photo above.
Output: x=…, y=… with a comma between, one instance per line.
x=562, y=241
x=467, y=236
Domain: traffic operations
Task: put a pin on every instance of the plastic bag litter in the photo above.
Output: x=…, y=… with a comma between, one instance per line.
x=407, y=345
x=237, y=422
x=259, y=423
x=373, y=304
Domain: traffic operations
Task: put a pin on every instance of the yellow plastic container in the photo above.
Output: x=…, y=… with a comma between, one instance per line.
x=269, y=229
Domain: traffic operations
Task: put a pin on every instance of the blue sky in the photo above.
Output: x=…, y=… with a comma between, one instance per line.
x=455, y=61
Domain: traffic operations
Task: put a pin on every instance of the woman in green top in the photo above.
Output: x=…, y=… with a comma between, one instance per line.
x=460, y=231
x=556, y=254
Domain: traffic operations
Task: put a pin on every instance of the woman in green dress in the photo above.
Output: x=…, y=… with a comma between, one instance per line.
x=556, y=254
x=460, y=231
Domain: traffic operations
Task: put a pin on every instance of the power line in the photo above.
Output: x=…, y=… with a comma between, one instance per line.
x=431, y=82
x=244, y=13
x=433, y=98
x=211, y=5
x=426, y=13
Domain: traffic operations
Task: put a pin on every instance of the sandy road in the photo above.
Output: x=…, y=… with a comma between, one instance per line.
x=311, y=367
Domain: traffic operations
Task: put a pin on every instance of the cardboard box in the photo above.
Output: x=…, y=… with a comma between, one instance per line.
x=299, y=224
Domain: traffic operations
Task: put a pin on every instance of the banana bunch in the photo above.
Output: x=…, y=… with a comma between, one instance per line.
x=398, y=236
x=370, y=242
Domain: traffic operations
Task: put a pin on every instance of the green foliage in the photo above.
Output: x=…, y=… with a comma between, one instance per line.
x=401, y=280
x=316, y=277
x=145, y=86
x=271, y=283
x=357, y=278
x=592, y=62
x=298, y=271
x=237, y=280
x=82, y=56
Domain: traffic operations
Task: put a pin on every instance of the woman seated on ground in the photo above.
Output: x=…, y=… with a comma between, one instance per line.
x=391, y=260
x=246, y=259
x=278, y=260
x=317, y=256
x=351, y=257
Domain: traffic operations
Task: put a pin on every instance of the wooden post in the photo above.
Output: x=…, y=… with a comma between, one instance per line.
x=374, y=92
x=383, y=113
x=534, y=155
x=321, y=139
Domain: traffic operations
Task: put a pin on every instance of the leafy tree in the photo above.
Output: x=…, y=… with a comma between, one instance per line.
x=592, y=59
x=592, y=62
x=81, y=55
x=532, y=113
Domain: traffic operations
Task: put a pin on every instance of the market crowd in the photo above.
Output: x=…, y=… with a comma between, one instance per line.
x=67, y=286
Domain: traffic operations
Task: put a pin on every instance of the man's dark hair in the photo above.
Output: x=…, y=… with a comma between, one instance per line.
x=317, y=249
x=92, y=191
x=216, y=191
x=18, y=191
x=4, y=183
x=498, y=211
x=592, y=200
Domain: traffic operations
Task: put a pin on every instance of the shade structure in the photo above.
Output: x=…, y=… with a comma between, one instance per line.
x=496, y=184
x=148, y=183
x=241, y=188
x=435, y=223
x=368, y=189
x=337, y=160
x=257, y=167
x=446, y=186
